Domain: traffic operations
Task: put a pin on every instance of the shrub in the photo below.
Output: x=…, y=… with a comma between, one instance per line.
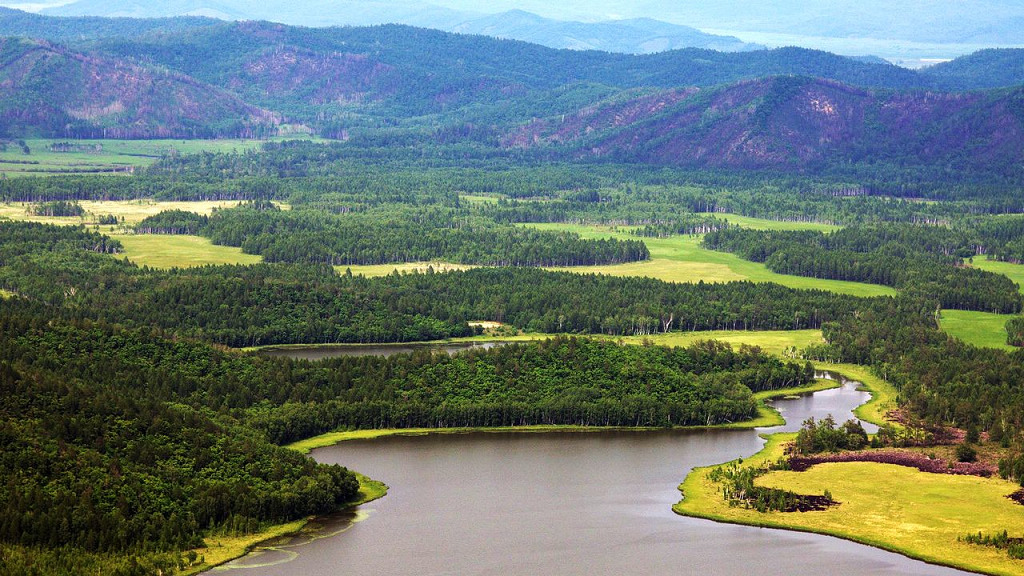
x=966, y=453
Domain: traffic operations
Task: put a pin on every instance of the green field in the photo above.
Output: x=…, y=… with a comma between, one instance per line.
x=775, y=342
x=477, y=199
x=681, y=259
x=130, y=211
x=1014, y=272
x=983, y=329
x=378, y=270
x=107, y=156
x=893, y=507
x=883, y=394
x=162, y=251
x=155, y=250
x=763, y=224
x=771, y=341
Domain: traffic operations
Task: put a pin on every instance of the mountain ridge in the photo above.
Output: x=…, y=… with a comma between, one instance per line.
x=792, y=122
x=49, y=89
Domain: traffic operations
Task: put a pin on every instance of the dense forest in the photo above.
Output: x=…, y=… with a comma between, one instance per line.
x=392, y=234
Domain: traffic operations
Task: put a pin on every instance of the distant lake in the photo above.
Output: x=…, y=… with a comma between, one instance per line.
x=588, y=503
x=337, y=350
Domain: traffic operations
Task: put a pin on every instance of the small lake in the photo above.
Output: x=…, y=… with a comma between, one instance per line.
x=338, y=350
x=595, y=503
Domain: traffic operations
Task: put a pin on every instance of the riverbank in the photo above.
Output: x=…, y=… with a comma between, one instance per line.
x=883, y=394
x=766, y=416
x=895, y=508
x=221, y=550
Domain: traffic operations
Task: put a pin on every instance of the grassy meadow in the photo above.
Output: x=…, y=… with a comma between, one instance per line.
x=378, y=270
x=157, y=251
x=1012, y=271
x=682, y=259
x=130, y=211
x=883, y=394
x=161, y=251
x=107, y=156
x=892, y=507
x=763, y=224
x=771, y=341
x=983, y=329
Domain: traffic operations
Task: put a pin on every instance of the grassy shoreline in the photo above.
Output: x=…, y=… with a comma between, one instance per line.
x=767, y=416
x=221, y=550
x=890, y=507
x=883, y=394
x=230, y=549
x=894, y=508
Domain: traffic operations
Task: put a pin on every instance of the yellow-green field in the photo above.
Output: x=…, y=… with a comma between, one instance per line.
x=132, y=211
x=476, y=199
x=771, y=341
x=163, y=251
x=156, y=250
x=1014, y=272
x=682, y=259
x=378, y=270
x=883, y=394
x=111, y=156
x=893, y=507
x=983, y=329
x=775, y=342
x=763, y=224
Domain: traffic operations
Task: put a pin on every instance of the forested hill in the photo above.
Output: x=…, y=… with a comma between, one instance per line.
x=983, y=69
x=28, y=25
x=795, y=122
x=51, y=89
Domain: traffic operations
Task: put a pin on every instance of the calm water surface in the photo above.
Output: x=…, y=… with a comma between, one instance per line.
x=335, y=351
x=562, y=504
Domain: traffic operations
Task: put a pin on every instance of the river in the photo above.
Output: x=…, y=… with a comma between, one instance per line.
x=596, y=503
x=323, y=352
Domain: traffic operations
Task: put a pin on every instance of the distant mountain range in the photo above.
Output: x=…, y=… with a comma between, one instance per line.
x=792, y=109
x=636, y=36
x=860, y=26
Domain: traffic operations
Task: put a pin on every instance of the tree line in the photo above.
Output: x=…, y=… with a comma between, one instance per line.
x=393, y=234
x=915, y=259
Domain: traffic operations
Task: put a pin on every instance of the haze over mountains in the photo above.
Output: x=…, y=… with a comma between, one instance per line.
x=642, y=35
x=904, y=31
